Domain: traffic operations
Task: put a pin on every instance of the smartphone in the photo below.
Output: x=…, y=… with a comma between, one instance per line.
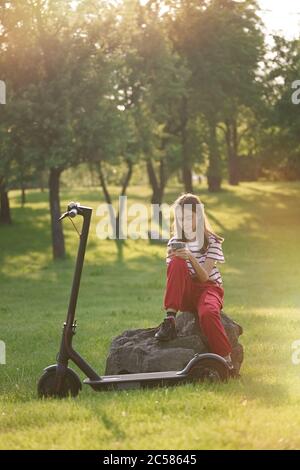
x=177, y=245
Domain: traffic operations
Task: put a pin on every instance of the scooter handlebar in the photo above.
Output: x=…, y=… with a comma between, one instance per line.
x=71, y=212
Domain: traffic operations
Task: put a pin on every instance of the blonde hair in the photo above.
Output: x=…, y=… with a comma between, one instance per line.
x=193, y=201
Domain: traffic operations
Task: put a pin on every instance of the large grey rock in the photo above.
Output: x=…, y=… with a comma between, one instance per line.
x=138, y=351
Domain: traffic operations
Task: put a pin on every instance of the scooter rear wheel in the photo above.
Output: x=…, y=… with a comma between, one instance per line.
x=209, y=369
x=70, y=385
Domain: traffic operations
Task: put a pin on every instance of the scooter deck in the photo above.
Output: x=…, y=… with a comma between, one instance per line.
x=125, y=381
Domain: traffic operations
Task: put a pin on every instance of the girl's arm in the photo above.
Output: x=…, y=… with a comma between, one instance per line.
x=206, y=268
x=202, y=272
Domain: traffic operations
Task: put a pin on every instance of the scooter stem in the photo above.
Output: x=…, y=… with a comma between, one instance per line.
x=86, y=213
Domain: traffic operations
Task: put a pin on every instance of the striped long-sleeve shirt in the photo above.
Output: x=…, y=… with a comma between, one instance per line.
x=214, y=251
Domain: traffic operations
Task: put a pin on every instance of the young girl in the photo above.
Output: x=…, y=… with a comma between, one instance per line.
x=194, y=282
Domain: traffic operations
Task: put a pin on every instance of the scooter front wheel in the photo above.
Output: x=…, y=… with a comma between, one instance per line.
x=70, y=385
x=209, y=369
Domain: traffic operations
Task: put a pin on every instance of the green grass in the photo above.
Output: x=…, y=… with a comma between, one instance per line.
x=260, y=222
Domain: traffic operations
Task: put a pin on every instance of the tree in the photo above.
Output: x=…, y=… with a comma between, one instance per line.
x=16, y=74
x=282, y=139
x=57, y=56
x=106, y=132
x=222, y=45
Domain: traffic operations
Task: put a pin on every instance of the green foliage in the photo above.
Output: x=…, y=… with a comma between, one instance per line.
x=98, y=80
x=283, y=118
x=223, y=45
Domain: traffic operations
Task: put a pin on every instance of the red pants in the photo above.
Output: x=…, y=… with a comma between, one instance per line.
x=186, y=294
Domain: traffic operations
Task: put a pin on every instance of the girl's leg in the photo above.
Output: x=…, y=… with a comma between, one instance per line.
x=209, y=309
x=178, y=293
x=177, y=297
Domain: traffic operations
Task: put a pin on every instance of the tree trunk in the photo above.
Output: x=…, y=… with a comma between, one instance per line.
x=214, y=176
x=158, y=187
x=232, y=151
x=163, y=179
x=186, y=169
x=127, y=177
x=108, y=199
x=103, y=184
x=186, y=161
x=5, y=215
x=115, y=220
x=58, y=242
x=156, y=197
x=125, y=184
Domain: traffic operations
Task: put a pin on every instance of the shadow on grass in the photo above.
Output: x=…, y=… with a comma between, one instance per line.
x=251, y=388
x=31, y=234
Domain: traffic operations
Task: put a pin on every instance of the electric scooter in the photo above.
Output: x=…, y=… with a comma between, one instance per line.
x=59, y=380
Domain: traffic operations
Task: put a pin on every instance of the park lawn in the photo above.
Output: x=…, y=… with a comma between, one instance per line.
x=261, y=225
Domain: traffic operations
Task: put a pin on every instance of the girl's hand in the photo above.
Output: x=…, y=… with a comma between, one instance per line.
x=170, y=253
x=183, y=253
